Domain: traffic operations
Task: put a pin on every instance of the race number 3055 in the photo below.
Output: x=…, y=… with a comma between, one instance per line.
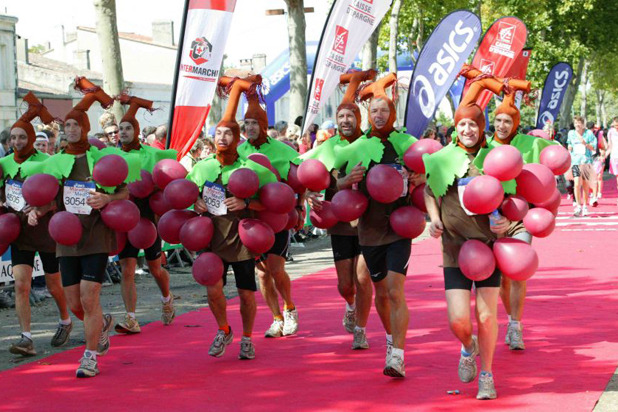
x=75, y=196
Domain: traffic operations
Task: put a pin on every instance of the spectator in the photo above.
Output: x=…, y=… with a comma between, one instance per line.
x=103, y=138
x=272, y=133
x=147, y=131
x=304, y=143
x=160, y=135
x=4, y=141
x=52, y=130
x=61, y=142
x=431, y=133
x=292, y=136
x=598, y=164
x=209, y=147
x=42, y=142
x=111, y=131
x=582, y=144
x=282, y=128
x=612, y=148
x=194, y=155
x=299, y=121
x=327, y=130
x=106, y=119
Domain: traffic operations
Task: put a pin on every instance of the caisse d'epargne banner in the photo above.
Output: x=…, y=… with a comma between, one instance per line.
x=554, y=90
x=348, y=26
x=207, y=27
x=501, y=45
x=438, y=64
x=519, y=70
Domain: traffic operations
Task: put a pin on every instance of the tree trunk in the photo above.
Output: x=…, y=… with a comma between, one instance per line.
x=584, y=101
x=370, y=50
x=597, y=107
x=421, y=31
x=603, y=111
x=394, y=33
x=107, y=31
x=298, y=58
x=567, y=105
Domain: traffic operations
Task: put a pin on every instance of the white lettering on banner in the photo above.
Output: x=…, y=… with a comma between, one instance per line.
x=14, y=198
x=557, y=89
x=75, y=195
x=546, y=116
x=214, y=195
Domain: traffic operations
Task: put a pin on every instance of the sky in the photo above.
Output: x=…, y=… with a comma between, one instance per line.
x=252, y=31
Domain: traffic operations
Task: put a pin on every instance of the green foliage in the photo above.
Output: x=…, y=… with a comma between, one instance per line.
x=37, y=49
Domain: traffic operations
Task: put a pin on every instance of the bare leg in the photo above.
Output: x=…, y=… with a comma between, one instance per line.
x=217, y=303
x=383, y=305
x=267, y=287
x=577, y=188
x=345, y=279
x=248, y=310
x=364, y=292
x=487, y=319
x=160, y=275
x=23, y=280
x=399, y=308
x=72, y=294
x=54, y=285
x=127, y=284
x=505, y=294
x=518, y=296
x=93, y=314
x=458, y=309
x=276, y=267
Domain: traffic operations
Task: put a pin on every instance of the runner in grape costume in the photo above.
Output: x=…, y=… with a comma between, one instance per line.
x=385, y=252
x=353, y=280
x=34, y=236
x=274, y=280
x=226, y=211
x=129, y=137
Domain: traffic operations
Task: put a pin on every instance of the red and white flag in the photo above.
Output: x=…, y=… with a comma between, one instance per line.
x=207, y=27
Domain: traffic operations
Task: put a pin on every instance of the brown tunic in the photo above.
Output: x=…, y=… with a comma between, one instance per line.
x=341, y=228
x=32, y=238
x=96, y=237
x=225, y=241
x=459, y=226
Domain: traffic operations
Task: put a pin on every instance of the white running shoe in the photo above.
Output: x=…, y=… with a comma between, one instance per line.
x=349, y=320
x=487, y=389
x=517, y=339
x=275, y=330
x=360, y=339
x=584, y=211
x=290, y=322
x=467, y=364
x=217, y=349
x=395, y=367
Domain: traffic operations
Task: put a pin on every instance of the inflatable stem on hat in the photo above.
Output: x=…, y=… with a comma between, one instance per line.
x=232, y=87
x=35, y=109
x=377, y=91
x=92, y=93
x=508, y=105
x=354, y=80
x=135, y=103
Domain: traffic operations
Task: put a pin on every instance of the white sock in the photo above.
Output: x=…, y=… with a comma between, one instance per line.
x=349, y=307
x=398, y=352
x=167, y=299
x=359, y=328
x=90, y=354
x=509, y=316
x=27, y=334
x=66, y=321
x=131, y=315
x=389, y=339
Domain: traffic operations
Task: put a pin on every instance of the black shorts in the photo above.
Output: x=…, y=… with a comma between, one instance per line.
x=74, y=269
x=455, y=279
x=575, y=170
x=280, y=248
x=344, y=247
x=244, y=274
x=152, y=253
x=392, y=257
x=26, y=257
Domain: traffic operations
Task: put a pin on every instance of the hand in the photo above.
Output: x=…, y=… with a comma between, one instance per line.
x=33, y=217
x=200, y=206
x=300, y=223
x=501, y=226
x=436, y=228
x=234, y=204
x=315, y=201
x=416, y=179
x=356, y=175
x=98, y=200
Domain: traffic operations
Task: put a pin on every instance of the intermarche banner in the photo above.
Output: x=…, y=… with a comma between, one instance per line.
x=500, y=47
x=554, y=90
x=349, y=25
x=438, y=64
x=207, y=27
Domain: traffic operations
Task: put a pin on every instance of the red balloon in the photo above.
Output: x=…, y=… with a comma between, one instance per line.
x=120, y=215
x=516, y=259
x=260, y=159
x=325, y=218
x=504, y=163
x=540, y=222
x=276, y=221
x=142, y=188
x=292, y=219
x=256, y=235
x=536, y=183
x=514, y=208
x=158, y=203
x=96, y=143
x=181, y=193
x=121, y=242
x=418, y=197
x=313, y=175
x=277, y=197
x=408, y=222
x=413, y=158
x=243, y=183
x=167, y=170
x=10, y=228
x=384, y=183
x=293, y=180
x=349, y=205
x=170, y=223
x=556, y=158
x=483, y=195
x=196, y=233
x=553, y=203
x=65, y=228
x=207, y=269
x=476, y=260
x=40, y=189
x=143, y=235
x=111, y=170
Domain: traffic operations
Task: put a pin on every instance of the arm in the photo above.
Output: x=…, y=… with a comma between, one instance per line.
x=99, y=200
x=433, y=210
x=355, y=176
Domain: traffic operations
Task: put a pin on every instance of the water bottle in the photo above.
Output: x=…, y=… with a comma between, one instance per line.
x=494, y=217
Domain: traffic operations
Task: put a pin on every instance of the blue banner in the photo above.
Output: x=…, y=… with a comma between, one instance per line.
x=554, y=90
x=440, y=61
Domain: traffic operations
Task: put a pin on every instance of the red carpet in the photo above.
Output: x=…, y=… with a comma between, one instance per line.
x=571, y=333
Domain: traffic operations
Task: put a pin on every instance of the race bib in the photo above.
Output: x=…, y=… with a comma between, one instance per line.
x=14, y=198
x=461, y=188
x=579, y=149
x=404, y=175
x=75, y=195
x=214, y=195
